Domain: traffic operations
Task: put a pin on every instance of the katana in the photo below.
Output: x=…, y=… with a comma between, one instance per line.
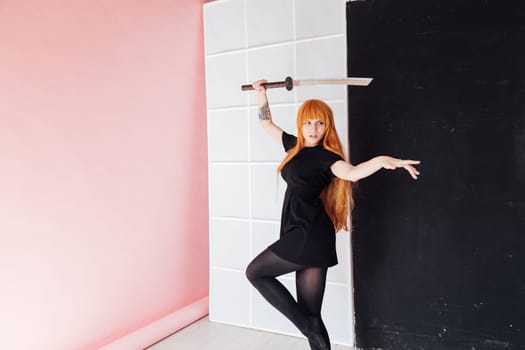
x=289, y=83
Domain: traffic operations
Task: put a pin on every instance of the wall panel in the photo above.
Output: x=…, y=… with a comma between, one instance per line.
x=439, y=263
x=282, y=38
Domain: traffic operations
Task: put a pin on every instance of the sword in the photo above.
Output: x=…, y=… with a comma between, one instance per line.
x=289, y=83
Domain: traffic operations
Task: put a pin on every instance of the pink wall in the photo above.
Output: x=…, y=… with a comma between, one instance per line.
x=103, y=170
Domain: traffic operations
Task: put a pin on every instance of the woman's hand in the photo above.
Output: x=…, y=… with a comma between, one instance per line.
x=394, y=163
x=257, y=85
x=262, y=101
x=263, y=110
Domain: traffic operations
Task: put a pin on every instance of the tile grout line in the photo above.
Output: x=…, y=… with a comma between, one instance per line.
x=210, y=241
x=250, y=195
x=288, y=278
x=349, y=265
x=242, y=219
x=276, y=104
x=278, y=44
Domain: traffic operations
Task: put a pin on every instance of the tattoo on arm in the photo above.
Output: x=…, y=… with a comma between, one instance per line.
x=264, y=112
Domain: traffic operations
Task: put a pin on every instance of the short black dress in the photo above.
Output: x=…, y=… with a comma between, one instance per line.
x=307, y=234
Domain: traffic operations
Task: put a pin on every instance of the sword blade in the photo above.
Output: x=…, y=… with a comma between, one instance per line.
x=341, y=81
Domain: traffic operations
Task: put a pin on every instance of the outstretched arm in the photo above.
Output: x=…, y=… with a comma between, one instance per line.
x=265, y=116
x=347, y=171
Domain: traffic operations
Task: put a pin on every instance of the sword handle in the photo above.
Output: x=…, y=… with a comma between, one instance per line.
x=287, y=83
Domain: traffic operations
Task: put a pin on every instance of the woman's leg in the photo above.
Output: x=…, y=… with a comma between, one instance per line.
x=310, y=285
x=262, y=273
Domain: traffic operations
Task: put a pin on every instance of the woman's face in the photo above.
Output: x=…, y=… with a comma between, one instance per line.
x=313, y=132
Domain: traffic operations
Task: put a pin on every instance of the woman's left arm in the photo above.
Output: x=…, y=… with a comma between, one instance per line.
x=347, y=171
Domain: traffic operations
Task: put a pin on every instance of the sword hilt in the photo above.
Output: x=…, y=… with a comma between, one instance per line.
x=287, y=83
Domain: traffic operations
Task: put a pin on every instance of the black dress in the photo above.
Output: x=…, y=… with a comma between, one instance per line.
x=307, y=234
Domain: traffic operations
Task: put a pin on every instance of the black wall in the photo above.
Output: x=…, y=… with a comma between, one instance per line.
x=439, y=263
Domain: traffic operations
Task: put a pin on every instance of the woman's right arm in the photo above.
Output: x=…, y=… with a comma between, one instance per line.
x=265, y=116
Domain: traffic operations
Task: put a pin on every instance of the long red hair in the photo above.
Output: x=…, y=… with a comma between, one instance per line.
x=337, y=196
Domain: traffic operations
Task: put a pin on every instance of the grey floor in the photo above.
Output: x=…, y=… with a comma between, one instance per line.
x=206, y=335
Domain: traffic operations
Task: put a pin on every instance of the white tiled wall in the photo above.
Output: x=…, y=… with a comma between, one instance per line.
x=248, y=40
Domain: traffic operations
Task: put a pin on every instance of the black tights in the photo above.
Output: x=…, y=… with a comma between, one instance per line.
x=305, y=313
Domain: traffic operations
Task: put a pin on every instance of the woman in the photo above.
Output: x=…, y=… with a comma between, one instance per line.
x=316, y=205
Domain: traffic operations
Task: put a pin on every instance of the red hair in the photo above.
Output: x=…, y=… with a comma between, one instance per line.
x=337, y=196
